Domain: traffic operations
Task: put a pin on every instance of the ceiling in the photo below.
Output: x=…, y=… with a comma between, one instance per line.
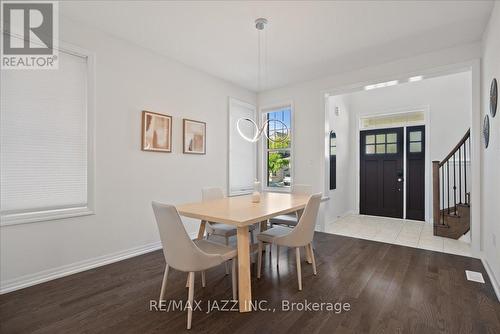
x=306, y=39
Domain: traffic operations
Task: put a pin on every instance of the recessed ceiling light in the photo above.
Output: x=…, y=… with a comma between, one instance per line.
x=415, y=78
x=382, y=84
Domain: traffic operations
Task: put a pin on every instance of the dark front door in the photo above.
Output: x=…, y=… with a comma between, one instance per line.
x=381, y=169
x=415, y=172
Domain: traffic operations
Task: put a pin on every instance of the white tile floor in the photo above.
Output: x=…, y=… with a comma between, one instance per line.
x=397, y=231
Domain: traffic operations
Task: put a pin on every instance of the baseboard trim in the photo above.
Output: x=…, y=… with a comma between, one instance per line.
x=77, y=267
x=66, y=270
x=491, y=275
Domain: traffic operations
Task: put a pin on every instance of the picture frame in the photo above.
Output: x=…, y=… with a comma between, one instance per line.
x=493, y=97
x=194, y=136
x=156, y=132
x=486, y=131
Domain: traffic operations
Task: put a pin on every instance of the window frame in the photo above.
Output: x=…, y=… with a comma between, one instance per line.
x=59, y=212
x=263, y=111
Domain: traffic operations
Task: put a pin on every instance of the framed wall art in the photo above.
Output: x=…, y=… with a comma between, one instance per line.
x=486, y=131
x=156, y=135
x=194, y=137
x=493, y=97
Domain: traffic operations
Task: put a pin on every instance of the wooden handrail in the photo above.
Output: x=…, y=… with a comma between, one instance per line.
x=455, y=149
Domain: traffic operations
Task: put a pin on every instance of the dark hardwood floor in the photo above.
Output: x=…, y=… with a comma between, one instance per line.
x=390, y=289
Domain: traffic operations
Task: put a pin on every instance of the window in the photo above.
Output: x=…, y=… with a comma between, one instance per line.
x=278, y=149
x=399, y=119
x=333, y=160
x=415, y=139
x=45, y=144
x=381, y=143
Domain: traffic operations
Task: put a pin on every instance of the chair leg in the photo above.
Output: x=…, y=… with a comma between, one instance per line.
x=203, y=281
x=190, y=299
x=299, y=272
x=251, y=237
x=308, y=255
x=164, y=284
x=227, y=265
x=311, y=251
x=259, y=259
x=277, y=256
x=233, y=278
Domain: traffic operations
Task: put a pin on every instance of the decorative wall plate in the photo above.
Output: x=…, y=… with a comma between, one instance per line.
x=493, y=97
x=486, y=130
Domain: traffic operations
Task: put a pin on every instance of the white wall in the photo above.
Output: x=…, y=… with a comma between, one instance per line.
x=448, y=100
x=309, y=104
x=342, y=199
x=128, y=80
x=447, y=97
x=490, y=158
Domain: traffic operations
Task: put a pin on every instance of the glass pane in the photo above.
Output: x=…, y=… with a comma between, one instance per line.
x=392, y=148
x=279, y=128
x=415, y=147
x=333, y=150
x=381, y=138
x=278, y=169
x=370, y=149
x=392, y=137
x=415, y=135
x=370, y=139
x=381, y=149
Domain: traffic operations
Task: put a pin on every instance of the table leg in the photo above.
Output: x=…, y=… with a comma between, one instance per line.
x=244, y=285
x=201, y=231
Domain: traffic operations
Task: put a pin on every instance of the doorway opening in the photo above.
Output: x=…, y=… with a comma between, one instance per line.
x=441, y=104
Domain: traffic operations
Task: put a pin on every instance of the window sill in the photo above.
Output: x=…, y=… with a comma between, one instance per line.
x=33, y=217
x=278, y=190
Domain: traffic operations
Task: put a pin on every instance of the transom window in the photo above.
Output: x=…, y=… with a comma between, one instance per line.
x=278, y=153
x=382, y=143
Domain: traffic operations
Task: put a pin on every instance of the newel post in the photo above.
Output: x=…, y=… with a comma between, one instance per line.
x=435, y=192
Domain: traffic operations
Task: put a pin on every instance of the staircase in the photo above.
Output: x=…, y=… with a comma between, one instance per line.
x=451, y=199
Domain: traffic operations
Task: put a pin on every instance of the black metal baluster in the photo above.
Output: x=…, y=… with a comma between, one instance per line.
x=448, y=184
x=460, y=174
x=465, y=171
x=454, y=185
x=442, y=192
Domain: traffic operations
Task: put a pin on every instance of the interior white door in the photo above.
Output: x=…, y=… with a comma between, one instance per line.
x=242, y=153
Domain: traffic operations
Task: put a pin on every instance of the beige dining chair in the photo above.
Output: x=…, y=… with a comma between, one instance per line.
x=300, y=236
x=184, y=254
x=291, y=219
x=218, y=229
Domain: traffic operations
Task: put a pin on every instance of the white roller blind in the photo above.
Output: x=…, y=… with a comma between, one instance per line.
x=44, y=137
x=242, y=154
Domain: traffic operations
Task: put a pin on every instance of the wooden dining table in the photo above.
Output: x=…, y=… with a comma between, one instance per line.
x=241, y=212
